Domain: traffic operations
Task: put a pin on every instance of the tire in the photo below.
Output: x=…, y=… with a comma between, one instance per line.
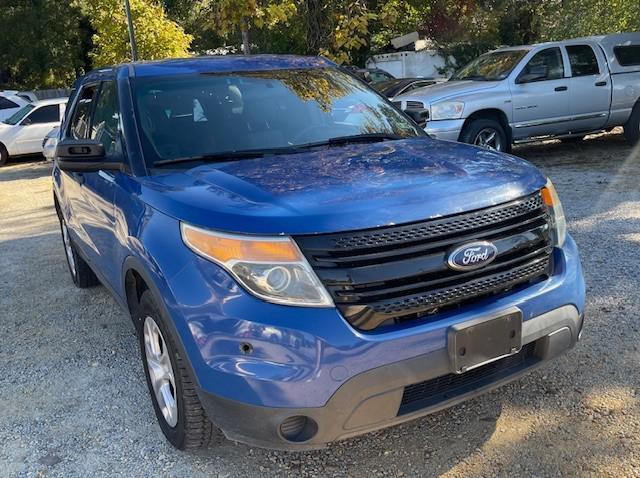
x=486, y=133
x=632, y=126
x=183, y=422
x=81, y=274
x=4, y=155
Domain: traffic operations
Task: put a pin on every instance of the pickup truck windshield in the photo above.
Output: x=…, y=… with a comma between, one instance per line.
x=16, y=117
x=494, y=66
x=209, y=115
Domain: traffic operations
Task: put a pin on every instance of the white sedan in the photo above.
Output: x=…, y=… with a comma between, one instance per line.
x=23, y=132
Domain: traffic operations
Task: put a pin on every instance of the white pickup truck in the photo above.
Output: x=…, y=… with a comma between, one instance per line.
x=561, y=89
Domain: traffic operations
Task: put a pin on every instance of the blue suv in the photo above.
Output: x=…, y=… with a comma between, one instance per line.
x=302, y=263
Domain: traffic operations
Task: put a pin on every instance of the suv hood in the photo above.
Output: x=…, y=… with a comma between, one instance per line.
x=448, y=89
x=341, y=188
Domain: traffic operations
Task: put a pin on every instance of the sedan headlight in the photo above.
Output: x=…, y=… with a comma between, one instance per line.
x=447, y=110
x=558, y=221
x=271, y=268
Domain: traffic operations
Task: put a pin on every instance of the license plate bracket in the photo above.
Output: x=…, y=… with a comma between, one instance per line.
x=478, y=342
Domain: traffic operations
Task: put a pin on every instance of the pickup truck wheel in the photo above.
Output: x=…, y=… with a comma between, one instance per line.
x=180, y=415
x=632, y=126
x=81, y=274
x=485, y=133
x=4, y=155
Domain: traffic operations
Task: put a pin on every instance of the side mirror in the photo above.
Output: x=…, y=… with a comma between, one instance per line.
x=83, y=155
x=535, y=73
x=419, y=115
x=26, y=122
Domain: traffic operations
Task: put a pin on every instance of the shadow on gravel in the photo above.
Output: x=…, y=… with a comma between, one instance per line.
x=21, y=169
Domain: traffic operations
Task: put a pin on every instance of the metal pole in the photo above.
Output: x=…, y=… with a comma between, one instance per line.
x=132, y=33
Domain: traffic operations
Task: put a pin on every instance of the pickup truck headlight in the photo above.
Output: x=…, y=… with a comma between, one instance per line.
x=271, y=268
x=558, y=221
x=447, y=110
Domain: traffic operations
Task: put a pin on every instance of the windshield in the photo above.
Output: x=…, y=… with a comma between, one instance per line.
x=210, y=114
x=16, y=117
x=492, y=66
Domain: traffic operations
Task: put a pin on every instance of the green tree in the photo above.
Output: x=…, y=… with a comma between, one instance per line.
x=44, y=43
x=157, y=36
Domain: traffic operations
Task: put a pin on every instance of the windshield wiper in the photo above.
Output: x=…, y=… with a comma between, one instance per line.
x=364, y=138
x=229, y=156
x=474, y=78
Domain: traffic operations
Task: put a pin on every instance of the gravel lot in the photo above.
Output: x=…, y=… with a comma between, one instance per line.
x=73, y=401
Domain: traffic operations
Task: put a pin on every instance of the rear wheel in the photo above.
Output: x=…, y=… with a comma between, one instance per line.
x=173, y=392
x=485, y=133
x=632, y=126
x=81, y=274
x=4, y=155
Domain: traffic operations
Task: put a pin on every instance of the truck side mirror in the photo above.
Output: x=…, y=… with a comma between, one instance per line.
x=419, y=115
x=83, y=155
x=535, y=73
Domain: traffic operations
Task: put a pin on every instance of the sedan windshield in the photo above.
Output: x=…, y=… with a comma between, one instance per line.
x=492, y=66
x=209, y=115
x=16, y=117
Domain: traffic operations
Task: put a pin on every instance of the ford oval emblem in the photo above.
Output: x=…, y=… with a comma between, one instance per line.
x=472, y=255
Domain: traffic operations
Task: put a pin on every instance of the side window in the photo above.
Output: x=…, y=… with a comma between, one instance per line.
x=105, y=125
x=5, y=104
x=583, y=60
x=545, y=65
x=627, y=55
x=79, y=128
x=44, y=114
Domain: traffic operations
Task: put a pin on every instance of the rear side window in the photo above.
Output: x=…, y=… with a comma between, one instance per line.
x=6, y=104
x=583, y=60
x=628, y=55
x=45, y=114
x=81, y=121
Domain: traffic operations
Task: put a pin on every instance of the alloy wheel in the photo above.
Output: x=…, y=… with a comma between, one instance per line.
x=160, y=371
x=488, y=138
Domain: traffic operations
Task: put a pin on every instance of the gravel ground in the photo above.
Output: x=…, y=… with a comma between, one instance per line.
x=73, y=401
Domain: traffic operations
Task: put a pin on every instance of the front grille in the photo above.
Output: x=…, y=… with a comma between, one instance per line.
x=437, y=390
x=396, y=274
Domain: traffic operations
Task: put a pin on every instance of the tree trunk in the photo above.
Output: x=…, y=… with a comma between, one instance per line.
x=246, y=46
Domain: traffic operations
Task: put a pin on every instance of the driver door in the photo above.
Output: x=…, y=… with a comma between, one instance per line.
x=540, y=96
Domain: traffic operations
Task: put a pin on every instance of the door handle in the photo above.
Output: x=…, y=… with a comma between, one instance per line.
x=561, y=88
x=601, y=83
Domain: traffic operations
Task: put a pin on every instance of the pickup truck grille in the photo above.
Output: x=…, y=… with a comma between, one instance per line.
x=395, y=274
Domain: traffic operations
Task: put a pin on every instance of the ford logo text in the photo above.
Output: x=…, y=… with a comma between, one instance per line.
x=473, y=255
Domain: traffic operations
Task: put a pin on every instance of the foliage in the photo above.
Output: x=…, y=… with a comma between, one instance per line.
x=156, y=36
x=54, y=55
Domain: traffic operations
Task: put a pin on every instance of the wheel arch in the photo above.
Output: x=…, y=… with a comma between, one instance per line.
x=490, y=113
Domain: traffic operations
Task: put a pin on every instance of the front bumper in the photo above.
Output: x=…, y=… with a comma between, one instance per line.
x=373, y=400
x=310, y=362
x=445, y=129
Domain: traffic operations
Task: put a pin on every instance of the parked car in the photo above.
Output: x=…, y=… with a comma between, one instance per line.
x=296, y=279
x=10, y=103
x=50, y=143
x=24, y=131
x=399, y=86
x=370, y=75
x=561, y=89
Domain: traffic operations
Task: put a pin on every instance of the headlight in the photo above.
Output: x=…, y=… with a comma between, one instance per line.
x=447, y=110
x=558, y=221
x=272, y=268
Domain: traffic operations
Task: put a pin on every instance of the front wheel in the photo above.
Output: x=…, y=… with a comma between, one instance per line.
x=173, y=392
x=4, y=155
x=485, y=133
x=81, y=274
